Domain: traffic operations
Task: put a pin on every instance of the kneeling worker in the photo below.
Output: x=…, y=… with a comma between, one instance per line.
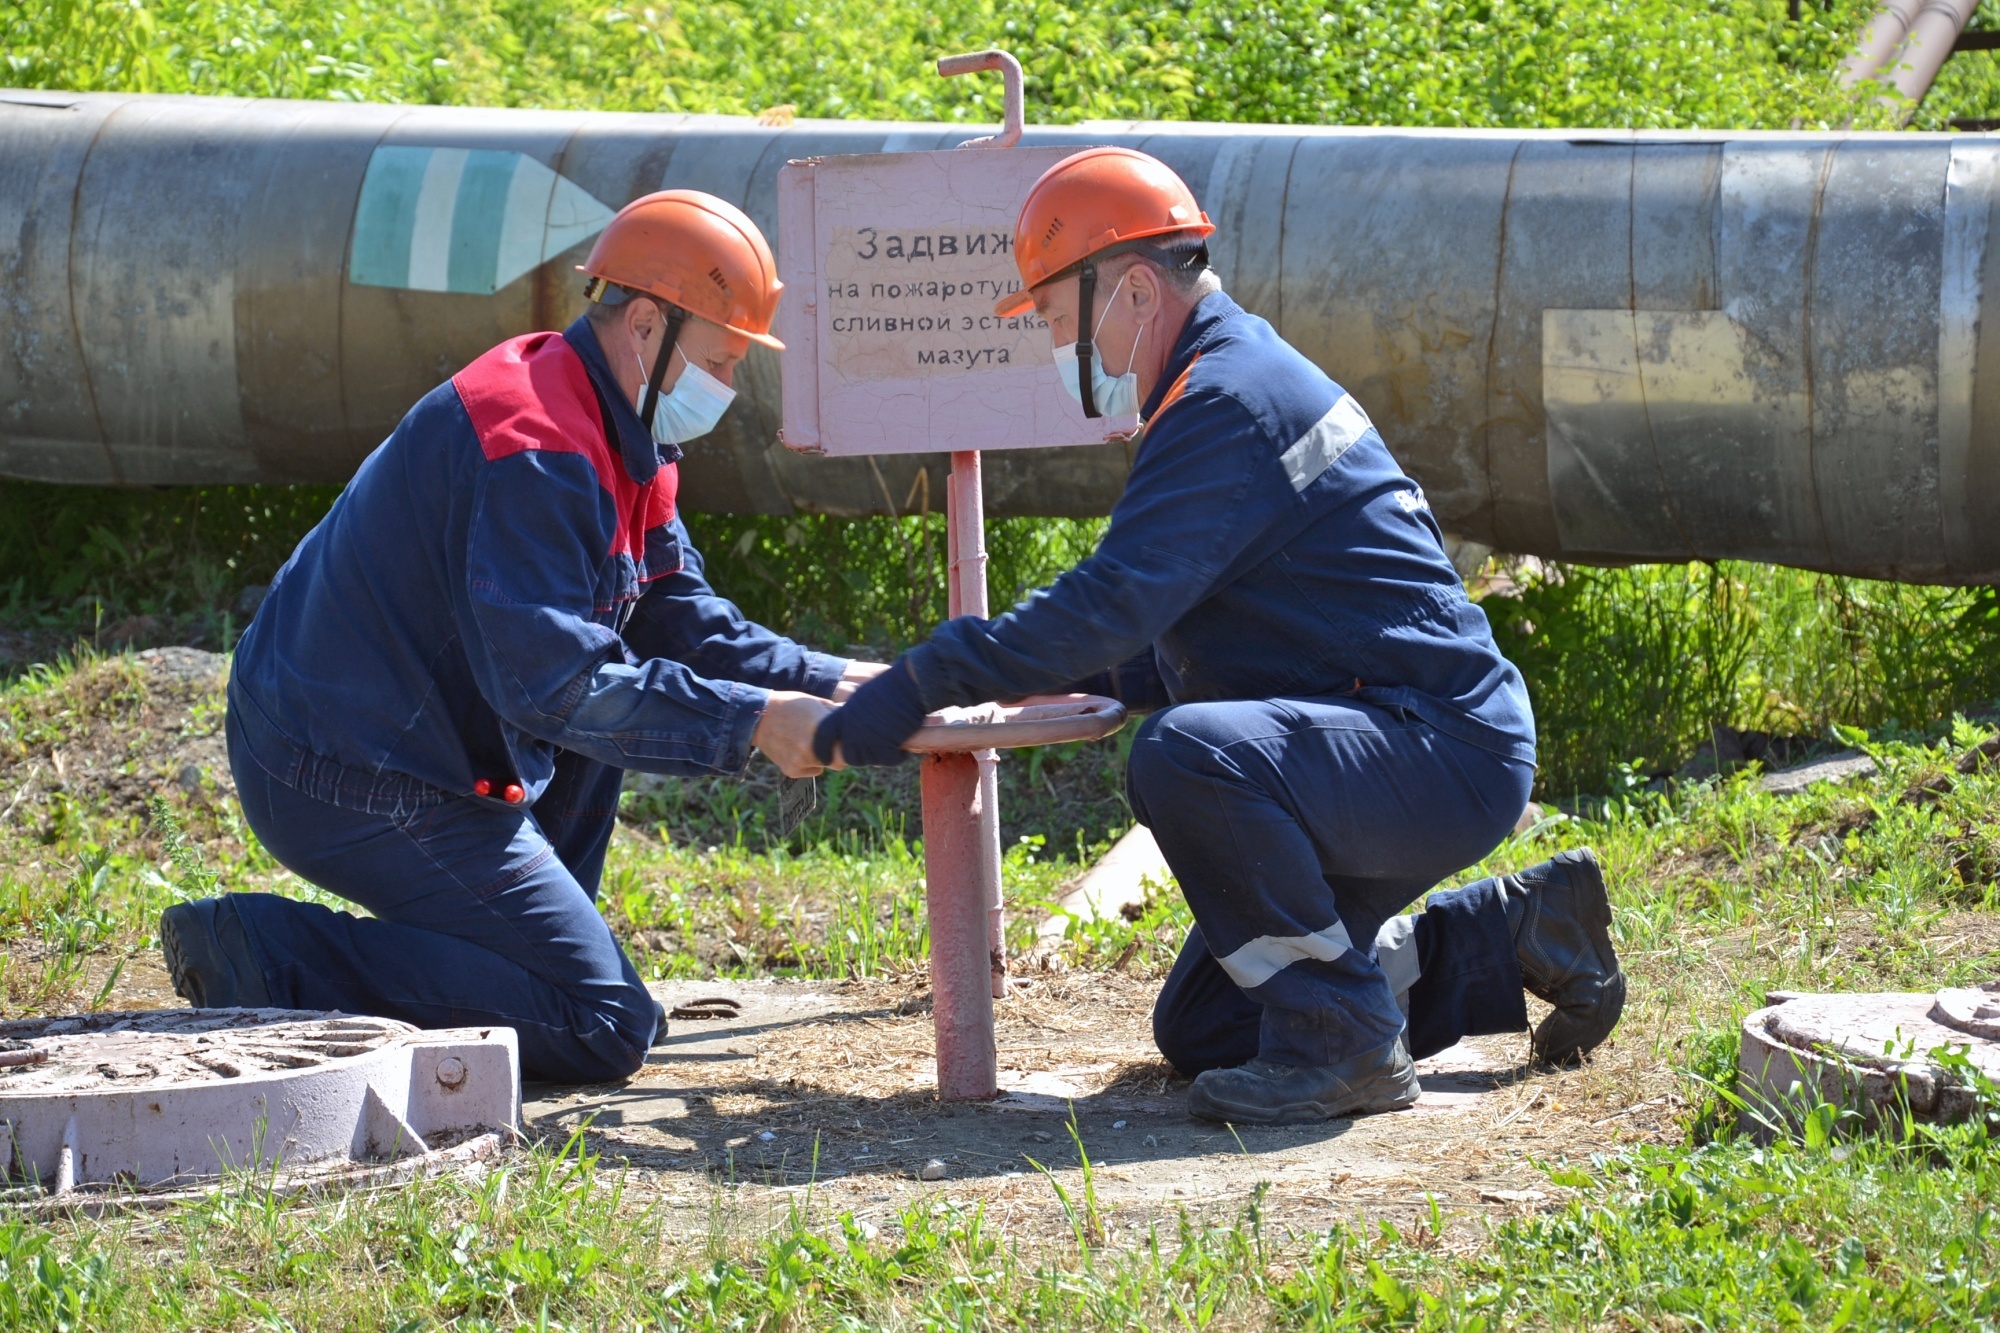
x=432, y=710
x=1336, y=731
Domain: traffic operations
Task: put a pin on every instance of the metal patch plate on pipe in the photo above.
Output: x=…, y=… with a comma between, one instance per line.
x=1617, y=383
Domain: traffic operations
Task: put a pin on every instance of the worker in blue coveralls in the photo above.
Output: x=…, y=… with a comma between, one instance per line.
x=1333, y=730
x=431, y=713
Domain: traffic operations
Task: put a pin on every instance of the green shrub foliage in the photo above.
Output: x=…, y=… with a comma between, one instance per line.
x=1738, y=63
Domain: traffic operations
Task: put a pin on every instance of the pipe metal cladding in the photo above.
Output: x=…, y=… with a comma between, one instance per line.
x=1596, y=346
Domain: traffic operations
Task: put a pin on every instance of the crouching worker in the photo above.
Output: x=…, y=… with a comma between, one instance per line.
x=432, y=710
x=1334, y=732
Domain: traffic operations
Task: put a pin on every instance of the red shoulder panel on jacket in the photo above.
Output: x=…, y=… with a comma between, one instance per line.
x=533, y=392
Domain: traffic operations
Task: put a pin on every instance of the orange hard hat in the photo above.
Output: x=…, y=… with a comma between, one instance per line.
x=694, y=251
x=1099, y=200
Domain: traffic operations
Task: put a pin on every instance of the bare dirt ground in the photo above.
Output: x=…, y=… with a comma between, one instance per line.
x=121, y=735
x=830, y=1087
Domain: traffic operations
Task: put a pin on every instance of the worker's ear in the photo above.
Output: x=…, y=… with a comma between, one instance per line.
x=642, y=322
x=1143, y=281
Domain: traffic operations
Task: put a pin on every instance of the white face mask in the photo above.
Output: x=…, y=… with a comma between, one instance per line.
x=691, y=408
x=1114, y=395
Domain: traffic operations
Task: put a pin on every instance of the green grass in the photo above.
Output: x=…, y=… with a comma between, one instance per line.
x=1721, y=891
x=1872, y=1236
x=1630, y=669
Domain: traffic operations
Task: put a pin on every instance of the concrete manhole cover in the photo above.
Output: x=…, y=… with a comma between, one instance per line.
x=96, y=1052
x=1868, y=1053
x=138, y=1101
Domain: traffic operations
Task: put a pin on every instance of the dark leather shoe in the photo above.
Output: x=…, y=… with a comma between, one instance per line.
x=659, y=1024
x=209, y=956
x=1263, y=1093
x=1563, y=941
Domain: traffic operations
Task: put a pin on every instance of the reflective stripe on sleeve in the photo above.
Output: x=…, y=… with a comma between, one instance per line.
x=1321, y=447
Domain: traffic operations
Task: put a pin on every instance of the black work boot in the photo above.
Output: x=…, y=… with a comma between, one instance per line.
x=659, y=1024
x=209, y=956
x=1561, y=919
x=1263, y=1093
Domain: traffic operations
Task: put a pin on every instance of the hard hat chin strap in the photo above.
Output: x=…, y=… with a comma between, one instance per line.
x=1086, y=296
x=675, y=318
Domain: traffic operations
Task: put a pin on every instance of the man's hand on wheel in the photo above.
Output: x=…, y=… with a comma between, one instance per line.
x=785, y=733
x=869, y=730
x=856, y=675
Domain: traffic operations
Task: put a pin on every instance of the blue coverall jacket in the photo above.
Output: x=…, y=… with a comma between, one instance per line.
x=504, y=578
x=1266, y=545
x=1337, y=730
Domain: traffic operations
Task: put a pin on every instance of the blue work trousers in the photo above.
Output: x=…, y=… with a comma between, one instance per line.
x=1299, y=827
x=482, y=915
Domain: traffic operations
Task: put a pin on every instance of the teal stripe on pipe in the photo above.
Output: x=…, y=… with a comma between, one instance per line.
x=386, y=216
x=478, y=217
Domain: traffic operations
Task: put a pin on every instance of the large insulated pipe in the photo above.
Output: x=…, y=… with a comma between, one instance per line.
x=1607, y=346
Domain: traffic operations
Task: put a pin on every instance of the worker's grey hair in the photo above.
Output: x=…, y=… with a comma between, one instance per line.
x=1181, y=279
x=609, y=307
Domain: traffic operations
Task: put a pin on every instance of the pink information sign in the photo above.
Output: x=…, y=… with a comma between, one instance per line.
x=892, y=263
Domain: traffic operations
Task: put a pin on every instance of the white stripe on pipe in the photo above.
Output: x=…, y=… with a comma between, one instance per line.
x=1968, y=187
x=523, y=221
x=1321, y=447
x=1267, y=955
x=430, y=232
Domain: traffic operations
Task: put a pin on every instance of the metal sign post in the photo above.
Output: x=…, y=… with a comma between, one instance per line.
x=895, y=261
x=962, y=791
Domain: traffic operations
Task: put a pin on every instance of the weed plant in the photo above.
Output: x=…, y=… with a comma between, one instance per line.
x=1631, y=669
x=1737, y=63
x=151, y=566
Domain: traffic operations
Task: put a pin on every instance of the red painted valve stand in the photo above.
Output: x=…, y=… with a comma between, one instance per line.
x=961, y=792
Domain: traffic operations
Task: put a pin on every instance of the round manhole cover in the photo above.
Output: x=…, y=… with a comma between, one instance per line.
x=1870, y=1053
x=135, y=1100
x=132, y=1052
